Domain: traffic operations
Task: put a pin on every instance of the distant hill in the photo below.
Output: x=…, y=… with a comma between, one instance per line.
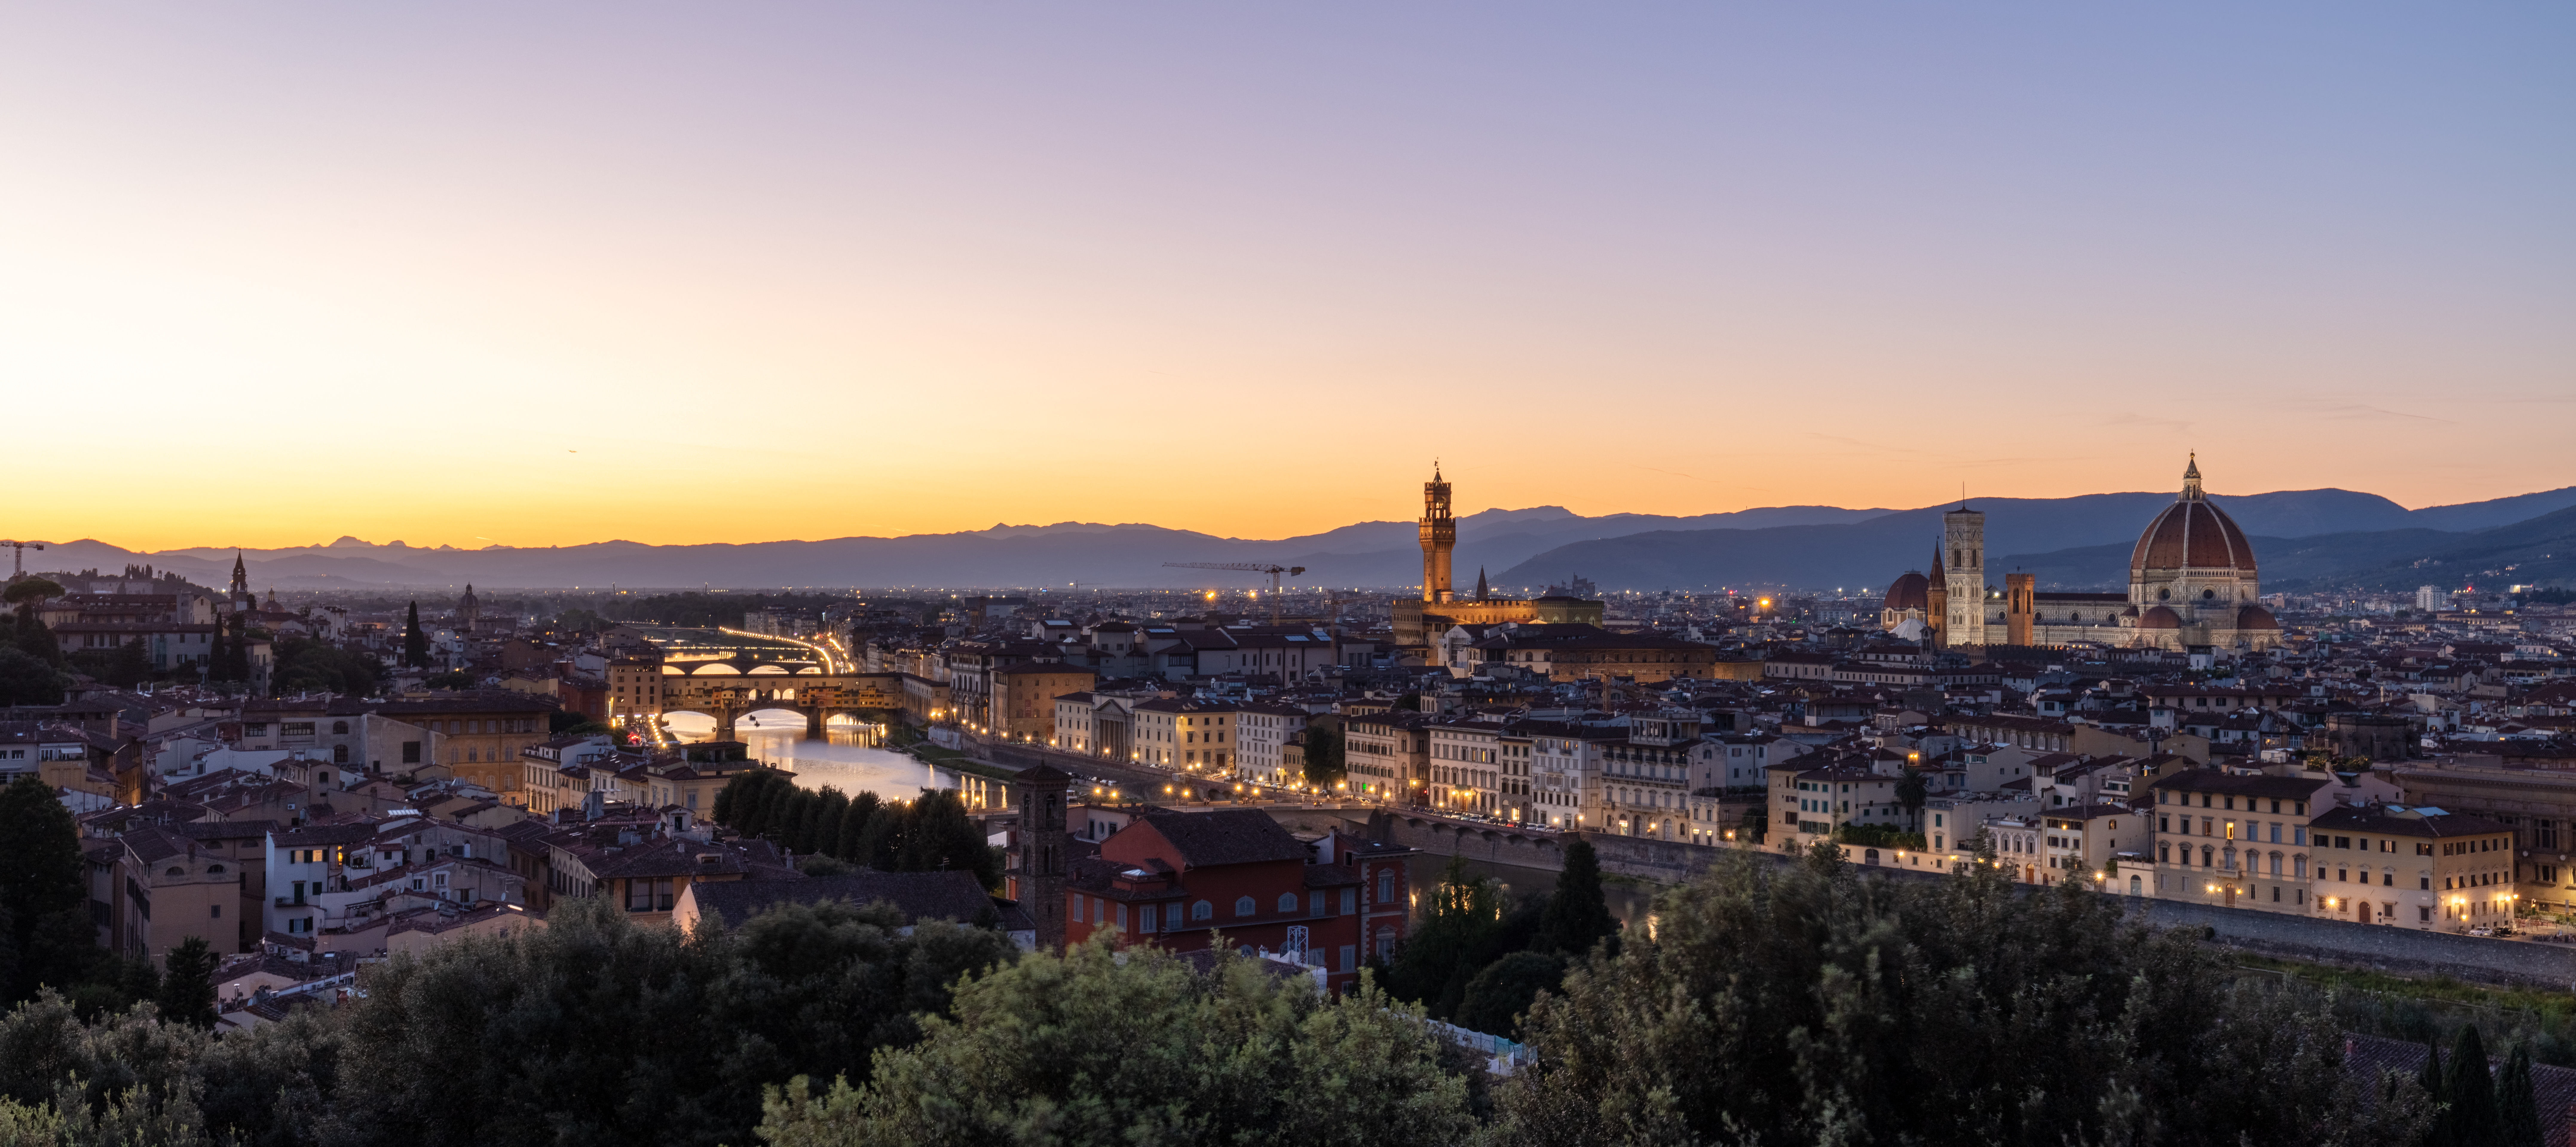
x=2541, y=550
x=2071, y=541
x=2079, y=542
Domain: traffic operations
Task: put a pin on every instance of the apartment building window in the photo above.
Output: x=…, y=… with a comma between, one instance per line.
x=1202, y=910
x=1350, y=900
x=1244, y=906
x=643, y=895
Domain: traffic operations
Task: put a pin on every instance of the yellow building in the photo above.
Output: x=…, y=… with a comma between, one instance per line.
x=1024, y=697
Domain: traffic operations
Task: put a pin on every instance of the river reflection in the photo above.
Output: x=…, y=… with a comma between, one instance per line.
x=847, y=759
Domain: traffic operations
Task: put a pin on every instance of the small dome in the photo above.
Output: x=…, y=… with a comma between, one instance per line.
x=2161, y=617
x=1909, y=592
x=2256, y=617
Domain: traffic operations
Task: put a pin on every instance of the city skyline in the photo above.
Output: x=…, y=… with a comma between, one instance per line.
x=679, y=277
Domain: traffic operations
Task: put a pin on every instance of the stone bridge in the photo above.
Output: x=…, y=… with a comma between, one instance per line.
x=728, y=690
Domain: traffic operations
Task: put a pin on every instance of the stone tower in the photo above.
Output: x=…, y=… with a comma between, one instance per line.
x=2021, y=607
x=1936, y=602
x=1439, y=536
x=1044, y=794
x=239, y=594
x=1963, y=541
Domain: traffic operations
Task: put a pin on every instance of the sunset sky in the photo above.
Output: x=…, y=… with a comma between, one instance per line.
x=472, y=273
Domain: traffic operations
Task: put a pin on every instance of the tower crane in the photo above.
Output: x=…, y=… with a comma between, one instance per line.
x=18, y=567
x=1247, y=567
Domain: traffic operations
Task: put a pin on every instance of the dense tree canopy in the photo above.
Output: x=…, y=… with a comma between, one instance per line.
x=1772, y=1004
x=26, y=679
x=1096, y=1048
x=1809, y=1004
x=310, y=666
x=931, y=833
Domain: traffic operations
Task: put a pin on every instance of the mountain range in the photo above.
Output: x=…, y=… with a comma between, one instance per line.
x=2302, y=538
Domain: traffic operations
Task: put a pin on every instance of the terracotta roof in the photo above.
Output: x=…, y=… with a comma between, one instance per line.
x=1909, y=591
x=918, y=895
x=2239, y=784
x=2385, y=819
x=2365, y=1057
x=2192, y=534
x=1226, y=836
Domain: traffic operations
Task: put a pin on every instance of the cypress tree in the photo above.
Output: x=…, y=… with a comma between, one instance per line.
x=1577, y=914
x=2471, y=1091
x=237, y=666
x=723, y=812
x=852, y=843
x=188, y=986
x=882, y=841
x=824, y=836
x=2517, y=1105
x=780, y=811
x=219, y=658
x=44, y=888
x=415, y=642
x=2440, y=1133
x=751, y=805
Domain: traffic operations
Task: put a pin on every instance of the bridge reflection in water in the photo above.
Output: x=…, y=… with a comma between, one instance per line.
x=846, y=759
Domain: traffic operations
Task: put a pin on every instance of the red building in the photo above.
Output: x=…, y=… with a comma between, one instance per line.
x=1179, y=879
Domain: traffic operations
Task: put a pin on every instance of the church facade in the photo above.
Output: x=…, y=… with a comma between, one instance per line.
x=2192, y=585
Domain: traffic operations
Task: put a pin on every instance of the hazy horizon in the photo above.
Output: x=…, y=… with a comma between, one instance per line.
x=481, y=274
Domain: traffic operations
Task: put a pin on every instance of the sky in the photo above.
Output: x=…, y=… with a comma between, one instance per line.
x=480, y=273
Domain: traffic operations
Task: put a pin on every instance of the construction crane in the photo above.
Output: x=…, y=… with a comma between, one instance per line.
x=18, y=567
x=1247, y=567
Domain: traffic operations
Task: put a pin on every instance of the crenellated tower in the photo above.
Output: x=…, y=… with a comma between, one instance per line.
x=1439, y=536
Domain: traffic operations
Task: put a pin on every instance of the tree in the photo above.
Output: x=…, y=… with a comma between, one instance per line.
x=565, y=1035
x=27, y=680
x=1106, y=1047
x=1911, y=791
x=2517, y=1103
x=125, y=666
x=44, y=888
x=188, y=984
x=237, y=655
x=938, y=836
x=853, y=843
x=1324, y=767
x=307, y=665
x=820, y=830
x=33, y=637
x=219, y=655
x=1466, y=928
x=1818, y=1004
x=2471, y=1091
x=415, y=642
x=1500, y=994
x=1753, y=825
x=2436, y=1091
x=1578, y=915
